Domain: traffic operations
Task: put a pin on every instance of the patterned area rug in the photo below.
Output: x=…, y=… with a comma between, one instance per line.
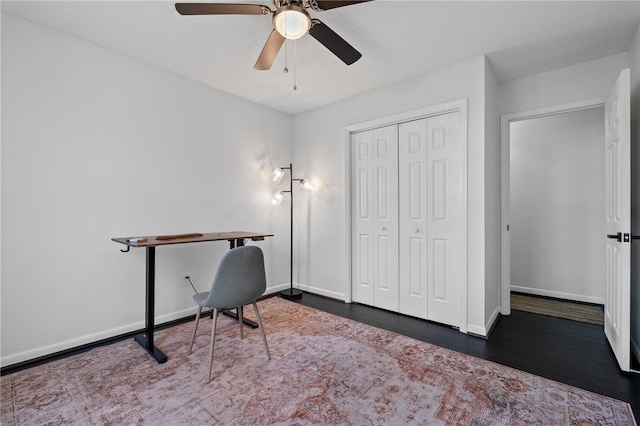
x=324, y=370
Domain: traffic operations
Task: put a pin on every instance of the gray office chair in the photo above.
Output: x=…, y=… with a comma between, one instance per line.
x=239, y=280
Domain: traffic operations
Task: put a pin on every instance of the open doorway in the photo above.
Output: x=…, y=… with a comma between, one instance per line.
x=616, y=210
x=557, y=206
x=553, y=204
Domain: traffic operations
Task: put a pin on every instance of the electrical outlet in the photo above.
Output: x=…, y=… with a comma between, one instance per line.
x=185, y=279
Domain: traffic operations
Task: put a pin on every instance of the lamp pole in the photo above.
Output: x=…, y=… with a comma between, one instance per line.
x=291, y=293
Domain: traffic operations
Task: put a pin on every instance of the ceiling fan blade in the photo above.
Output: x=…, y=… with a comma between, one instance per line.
x=332, y=41
x=332, y=4
x=269, y=51
x=221, y=9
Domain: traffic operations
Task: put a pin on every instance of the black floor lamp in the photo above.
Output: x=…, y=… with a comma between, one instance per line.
x=278, y=174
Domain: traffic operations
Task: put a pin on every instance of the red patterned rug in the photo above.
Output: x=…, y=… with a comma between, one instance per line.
x=324, y=370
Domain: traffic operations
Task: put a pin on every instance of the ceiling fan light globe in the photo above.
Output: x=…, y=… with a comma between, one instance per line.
x=292, y=22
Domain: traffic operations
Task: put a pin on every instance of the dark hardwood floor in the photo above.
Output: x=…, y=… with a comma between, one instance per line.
x=567, y=351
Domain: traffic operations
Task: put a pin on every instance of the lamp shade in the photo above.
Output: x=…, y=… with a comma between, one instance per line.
x=292, y=22
x=277, y=198
x=277, y=175
x=308, y=185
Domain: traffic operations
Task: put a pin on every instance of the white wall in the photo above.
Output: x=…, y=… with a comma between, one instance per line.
x=634, y=64
x=557, y=199
x=492, y=196
x=587, y=80
x=96, y=145
x=321, y=148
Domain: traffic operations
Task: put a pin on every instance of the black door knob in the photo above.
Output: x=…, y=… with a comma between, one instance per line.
x=617, y=236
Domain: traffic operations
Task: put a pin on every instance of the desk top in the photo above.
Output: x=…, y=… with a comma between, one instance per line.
x=196, y=237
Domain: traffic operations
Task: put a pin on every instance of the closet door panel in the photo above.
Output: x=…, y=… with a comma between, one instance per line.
x=363, y=219
x=374, y=217
x=412, y=145
x=385, y=170
x=445, y=220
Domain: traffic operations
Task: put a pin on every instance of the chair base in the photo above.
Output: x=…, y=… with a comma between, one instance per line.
x=291, y=293
x=213, y=333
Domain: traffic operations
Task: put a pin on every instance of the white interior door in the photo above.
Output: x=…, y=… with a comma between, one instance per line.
x=618, y=219
x=363, y=219
x=431, y=217
x=375, y=224
x=413, y=197
x=385, y=250
x=446, y=218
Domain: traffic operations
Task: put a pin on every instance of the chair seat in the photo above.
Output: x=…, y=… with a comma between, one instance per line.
x=200, y=298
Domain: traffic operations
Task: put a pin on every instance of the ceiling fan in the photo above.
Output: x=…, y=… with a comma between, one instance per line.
x=290, y=21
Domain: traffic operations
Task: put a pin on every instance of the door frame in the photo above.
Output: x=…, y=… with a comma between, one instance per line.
x=458, y=105
x=505, y=185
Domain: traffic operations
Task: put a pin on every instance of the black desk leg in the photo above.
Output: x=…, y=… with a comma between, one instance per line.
x=146, y=340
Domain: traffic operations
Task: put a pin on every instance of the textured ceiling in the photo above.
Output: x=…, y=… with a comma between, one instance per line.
x=398, y=40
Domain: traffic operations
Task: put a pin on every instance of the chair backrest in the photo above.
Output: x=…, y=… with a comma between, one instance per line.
x=239, y=280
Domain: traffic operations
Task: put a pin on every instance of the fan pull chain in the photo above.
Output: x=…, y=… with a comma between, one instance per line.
x=295, y=66
x=286, y=70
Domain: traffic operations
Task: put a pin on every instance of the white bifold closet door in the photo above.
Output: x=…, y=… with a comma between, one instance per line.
x=410, y=224
x=375, y=209
x=430, y=205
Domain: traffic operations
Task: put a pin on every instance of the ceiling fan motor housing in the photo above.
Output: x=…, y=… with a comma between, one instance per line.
x=291, y=21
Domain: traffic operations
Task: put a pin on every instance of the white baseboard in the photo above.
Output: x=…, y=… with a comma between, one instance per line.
x=492, y=320
x=477, y=330
x=35, y=353
x=558, y=294
x=276, y=288
x=483, y=331
x=304, y=287
x=322, y=292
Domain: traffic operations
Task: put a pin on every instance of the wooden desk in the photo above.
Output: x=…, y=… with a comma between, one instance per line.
x=235, y=238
